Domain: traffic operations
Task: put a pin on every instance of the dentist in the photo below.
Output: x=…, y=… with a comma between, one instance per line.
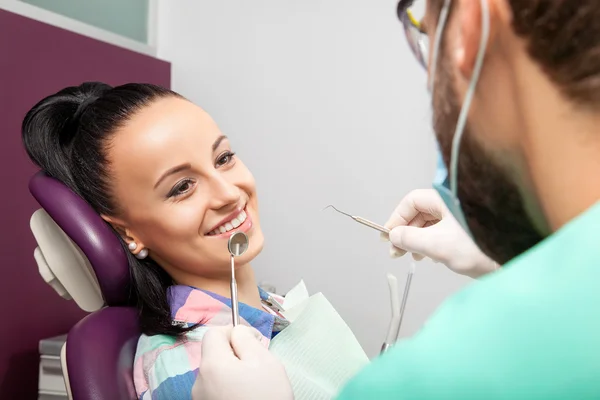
x=516, y=97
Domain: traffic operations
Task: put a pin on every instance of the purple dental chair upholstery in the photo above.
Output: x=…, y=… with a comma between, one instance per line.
x=82, y=259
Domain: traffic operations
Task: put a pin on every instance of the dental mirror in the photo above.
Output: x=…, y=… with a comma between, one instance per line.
x=237, y=245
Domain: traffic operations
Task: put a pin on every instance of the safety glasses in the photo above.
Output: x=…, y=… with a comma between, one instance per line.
x=417, y=39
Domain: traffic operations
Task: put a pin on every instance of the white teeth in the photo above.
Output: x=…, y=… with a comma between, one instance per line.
x=234, y=223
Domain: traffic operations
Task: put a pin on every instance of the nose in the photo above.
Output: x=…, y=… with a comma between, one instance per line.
x=224, y=193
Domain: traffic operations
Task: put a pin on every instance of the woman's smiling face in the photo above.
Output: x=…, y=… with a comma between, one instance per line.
x=181, y=191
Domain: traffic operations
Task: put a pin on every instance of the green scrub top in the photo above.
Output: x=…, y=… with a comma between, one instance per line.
x=529, y=331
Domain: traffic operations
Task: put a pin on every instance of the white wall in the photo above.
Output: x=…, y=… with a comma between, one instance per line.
x=325, y=103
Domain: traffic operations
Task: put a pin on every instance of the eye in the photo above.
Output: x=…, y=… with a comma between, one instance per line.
x=181, y=188
x=224, y=159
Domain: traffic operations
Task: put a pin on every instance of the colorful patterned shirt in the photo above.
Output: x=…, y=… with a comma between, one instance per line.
x=166, y=367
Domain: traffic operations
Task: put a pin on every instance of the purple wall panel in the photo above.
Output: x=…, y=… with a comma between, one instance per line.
x=36, y=60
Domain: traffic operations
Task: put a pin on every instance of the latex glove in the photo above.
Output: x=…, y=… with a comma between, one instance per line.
x=236, y=366
x=422, y=225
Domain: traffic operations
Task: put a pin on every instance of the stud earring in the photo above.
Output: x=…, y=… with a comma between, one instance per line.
x=142, y=254
x=132, y=246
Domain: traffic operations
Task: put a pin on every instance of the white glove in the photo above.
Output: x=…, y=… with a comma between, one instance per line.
x=422, y=225
x=236, y=366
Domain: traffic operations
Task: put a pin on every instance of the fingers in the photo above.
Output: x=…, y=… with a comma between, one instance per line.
x=216, y=343
x=396, y=252
x=417, y=222
x=421, y=208
x=414, y=240
x=417, y=257
x=384, y=237
x=246, y=343
x=420, y=221
x=428, y=202
x=425, y=201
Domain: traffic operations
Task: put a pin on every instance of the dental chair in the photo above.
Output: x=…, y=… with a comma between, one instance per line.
x=80, y=256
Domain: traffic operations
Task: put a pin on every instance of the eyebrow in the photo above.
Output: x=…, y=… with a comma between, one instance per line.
x=186, y=166
x=172, y=171
x=218, y=142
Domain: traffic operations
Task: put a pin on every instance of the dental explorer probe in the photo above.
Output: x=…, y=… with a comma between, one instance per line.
x=361, y=220
x=237, y=245
x=397, y=310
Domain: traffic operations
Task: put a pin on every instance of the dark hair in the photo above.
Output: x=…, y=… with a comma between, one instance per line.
x=563, y=37
x=66, y=135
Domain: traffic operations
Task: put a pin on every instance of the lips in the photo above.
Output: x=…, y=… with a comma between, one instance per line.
x=230, y=223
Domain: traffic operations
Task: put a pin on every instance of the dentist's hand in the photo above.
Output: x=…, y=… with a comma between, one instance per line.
x=236, y=366
x=422, y=225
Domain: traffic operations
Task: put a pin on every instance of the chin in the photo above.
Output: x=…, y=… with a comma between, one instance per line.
x=257, y=242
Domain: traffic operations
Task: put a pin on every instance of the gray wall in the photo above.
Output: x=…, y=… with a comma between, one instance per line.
x=325, y=103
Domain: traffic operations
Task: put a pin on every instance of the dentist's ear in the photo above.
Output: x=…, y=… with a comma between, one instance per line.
x=469, y=19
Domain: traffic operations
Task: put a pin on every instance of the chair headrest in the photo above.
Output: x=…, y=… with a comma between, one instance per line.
x=77, y=247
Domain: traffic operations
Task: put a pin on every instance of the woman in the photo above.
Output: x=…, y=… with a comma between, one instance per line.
x=157, y=169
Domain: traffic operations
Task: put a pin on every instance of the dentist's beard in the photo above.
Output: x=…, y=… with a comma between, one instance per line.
x=491, y=202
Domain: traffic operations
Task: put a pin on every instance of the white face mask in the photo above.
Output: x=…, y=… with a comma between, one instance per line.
x=445, y=181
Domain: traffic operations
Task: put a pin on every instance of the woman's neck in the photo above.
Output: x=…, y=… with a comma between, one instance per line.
x=246, y=283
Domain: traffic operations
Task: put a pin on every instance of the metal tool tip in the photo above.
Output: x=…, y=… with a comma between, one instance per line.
x=341, y=212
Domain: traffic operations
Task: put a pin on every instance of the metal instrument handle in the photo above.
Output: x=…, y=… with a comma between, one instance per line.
x=372, y=225
x=235, y=312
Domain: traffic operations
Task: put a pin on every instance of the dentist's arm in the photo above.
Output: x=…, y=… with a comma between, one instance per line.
x=236, y=366
x=422, y=225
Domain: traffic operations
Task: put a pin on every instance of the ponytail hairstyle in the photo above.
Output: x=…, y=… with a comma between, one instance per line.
x=67, y=135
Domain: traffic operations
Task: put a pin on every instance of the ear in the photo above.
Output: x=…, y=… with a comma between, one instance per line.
x=121, y=228
x=470, y=31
